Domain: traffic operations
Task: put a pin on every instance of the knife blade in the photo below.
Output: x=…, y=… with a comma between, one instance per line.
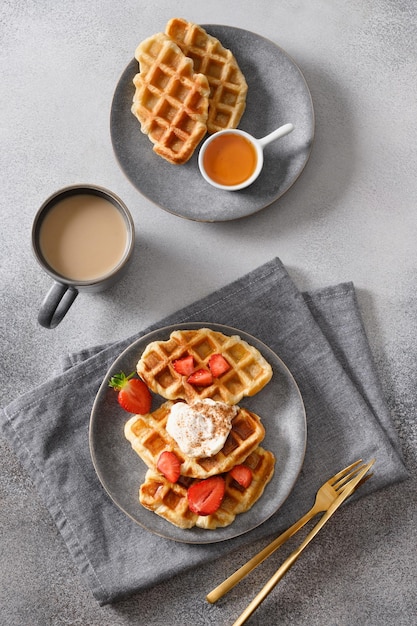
x=348, y=490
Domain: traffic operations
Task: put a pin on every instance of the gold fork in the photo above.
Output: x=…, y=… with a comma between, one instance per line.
x=325, y=497
x=350, y=487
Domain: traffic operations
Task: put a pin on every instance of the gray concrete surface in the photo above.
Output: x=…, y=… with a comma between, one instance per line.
x=350, y=216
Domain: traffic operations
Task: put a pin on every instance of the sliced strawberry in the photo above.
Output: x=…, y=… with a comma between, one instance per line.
x=185, y=365
x=200, y=378
x=218, y=365
x=205, y=496
x=169, y=465
x=242, y=474
x=133, y=395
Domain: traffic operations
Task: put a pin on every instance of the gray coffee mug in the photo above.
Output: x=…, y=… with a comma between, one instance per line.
x=71, y=201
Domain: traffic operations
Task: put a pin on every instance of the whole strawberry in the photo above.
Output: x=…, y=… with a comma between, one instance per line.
x=133, y=395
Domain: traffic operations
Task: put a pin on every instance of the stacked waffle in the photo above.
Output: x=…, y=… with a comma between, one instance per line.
x=188, y=84
x=171, y=100
x=228, y=88
x=247, y=373
x=170, y=500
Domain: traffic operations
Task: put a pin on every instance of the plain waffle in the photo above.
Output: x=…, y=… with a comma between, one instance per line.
x=149, y=438
x=169, y=500
x=249, y=372
x=228, y=87
x=170, y=100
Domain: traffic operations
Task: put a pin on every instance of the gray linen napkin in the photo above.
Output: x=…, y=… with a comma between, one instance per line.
x=321, y=339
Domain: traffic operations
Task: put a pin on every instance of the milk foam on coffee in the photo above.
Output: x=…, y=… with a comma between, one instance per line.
x=83, y=237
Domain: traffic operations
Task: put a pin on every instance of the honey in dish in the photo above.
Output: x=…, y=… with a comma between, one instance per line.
x=83, y=237
x=230, y=159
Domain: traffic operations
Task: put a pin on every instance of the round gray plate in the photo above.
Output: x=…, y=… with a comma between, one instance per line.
x=277, y=94
x=121, y=471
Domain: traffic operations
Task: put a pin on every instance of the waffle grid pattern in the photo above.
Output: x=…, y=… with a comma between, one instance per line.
x=248, y=374
x=228, y=87
x=149, y=438
x=170, y=100
x=169, y=500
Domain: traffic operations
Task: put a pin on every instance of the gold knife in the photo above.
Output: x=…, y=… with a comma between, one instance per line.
x=294, y=555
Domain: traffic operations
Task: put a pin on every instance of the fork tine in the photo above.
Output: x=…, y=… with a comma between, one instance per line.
x=260, y=557
x=342, y=482
x=287, y=564
x=364, y=479
x=344, y=471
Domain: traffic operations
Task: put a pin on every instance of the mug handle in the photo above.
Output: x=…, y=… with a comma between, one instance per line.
x=56, y=305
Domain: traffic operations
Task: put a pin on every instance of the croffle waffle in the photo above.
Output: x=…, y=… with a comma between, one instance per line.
x=170, y=100
x=169, y=500
x=149, y=438
x=228, y=87
x=249, y=372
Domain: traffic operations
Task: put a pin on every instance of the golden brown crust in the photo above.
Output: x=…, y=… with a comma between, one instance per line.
x=149, y=438
x=228, y=87
x=248, y=374
x=170, y=100
x=169, y=500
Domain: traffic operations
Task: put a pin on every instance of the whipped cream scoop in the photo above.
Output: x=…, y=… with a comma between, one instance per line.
x=201, y=429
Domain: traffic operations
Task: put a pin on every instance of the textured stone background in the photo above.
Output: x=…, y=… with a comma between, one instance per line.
x=350, y=216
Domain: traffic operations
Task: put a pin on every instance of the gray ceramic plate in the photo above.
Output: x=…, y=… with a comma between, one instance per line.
x=277, y=94
x=121, y=471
